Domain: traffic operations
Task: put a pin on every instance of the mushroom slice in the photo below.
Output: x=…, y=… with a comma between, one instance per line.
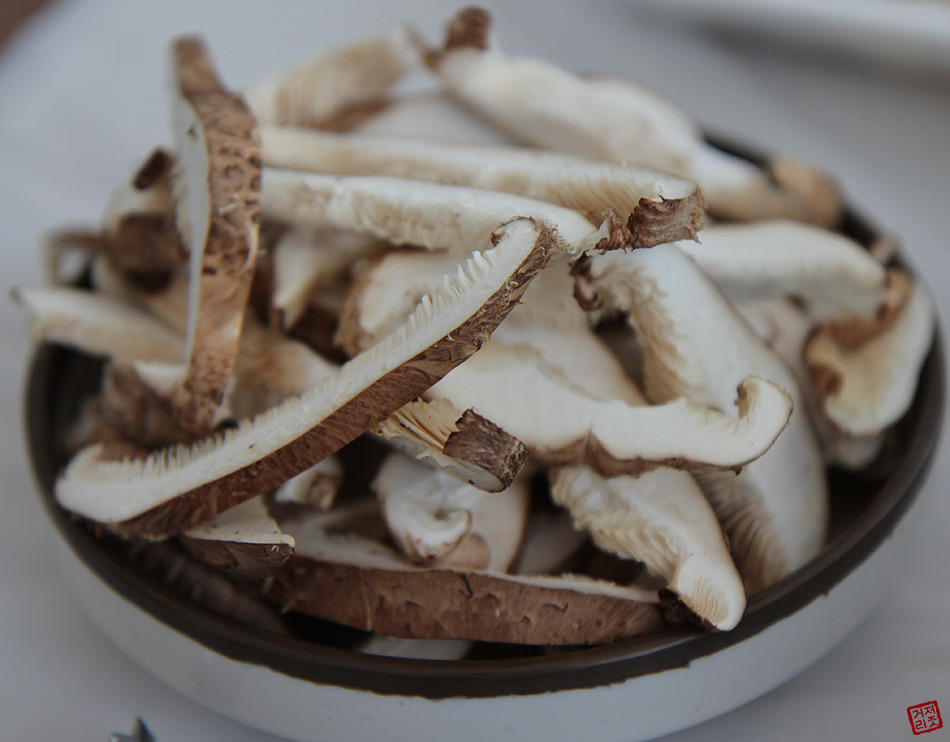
x=431, y=115
x=662, y=519
x=829, y=273
x=463, y=444
x=217, y=193
x=306, y=260
x=655, y=206
x=140, y=236
x=696, y=345
x=515, y=388
x=620, y=122
x=178, y=488
x=865, y=372
x=353, y=579
x=244, y=540
x=785, y=326
x=385, y=291
x=417, y=649
x=321, y=91
x=316, y=488
x=437, y=520
x=432, y=215
x=99, y=325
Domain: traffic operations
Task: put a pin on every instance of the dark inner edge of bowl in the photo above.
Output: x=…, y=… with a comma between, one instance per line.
x=59, y=378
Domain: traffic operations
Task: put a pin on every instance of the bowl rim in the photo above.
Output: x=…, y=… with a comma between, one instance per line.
x=582, y=667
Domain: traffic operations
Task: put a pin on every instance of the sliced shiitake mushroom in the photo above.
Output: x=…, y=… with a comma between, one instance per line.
x=342, y=573
x=618, y=121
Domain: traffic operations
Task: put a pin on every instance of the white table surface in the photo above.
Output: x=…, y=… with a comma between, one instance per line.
x=82, y=98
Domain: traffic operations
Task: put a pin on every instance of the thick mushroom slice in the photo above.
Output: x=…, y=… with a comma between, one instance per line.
x=661, y=519
x=825, y=271
x=344, y=572
x=180, y=487
x=865, y=371
x=696, y=345
x=438, y=520
x=245, y=540
x=217, y=196
x=336, y=89
x=99, y=325
x=655, y=206
x=463, y=444
x=620, y=122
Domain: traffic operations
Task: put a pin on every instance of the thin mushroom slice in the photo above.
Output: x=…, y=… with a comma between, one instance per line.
x=178, y=488
x=431, y=115
x=244, y=540
x=323, y=91
x=463, y=444
x=621, y=122
x=342, y=574
x=432, y=215
x=866, y=377
x=655, y=206
x=217, y=194
x=696, y=345
x=98, y=325
x=662, y=519
x=827, y=272
x=560, y=423
x=438, y=520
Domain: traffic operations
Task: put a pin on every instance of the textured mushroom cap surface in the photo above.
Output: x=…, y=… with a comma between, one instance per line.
x=217, y=194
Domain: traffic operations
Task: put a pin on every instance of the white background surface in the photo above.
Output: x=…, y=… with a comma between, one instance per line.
x=82, y=99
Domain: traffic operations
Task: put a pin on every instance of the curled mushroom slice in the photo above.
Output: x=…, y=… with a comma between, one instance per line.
x=437, y=520
x=697, y=345
x=515, y=388
x=617, y=121
x=865, y=372
x=180, y=487
x=327, y=89
x=655, y=206
x=244, y=540
x=662, y=519
x=463, y=444
x=432, y=215
x=827, y=272
x=99, y=325
x=217, y=191
x=341, y=574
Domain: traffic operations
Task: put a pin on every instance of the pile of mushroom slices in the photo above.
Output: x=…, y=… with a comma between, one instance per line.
x=444, y=364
